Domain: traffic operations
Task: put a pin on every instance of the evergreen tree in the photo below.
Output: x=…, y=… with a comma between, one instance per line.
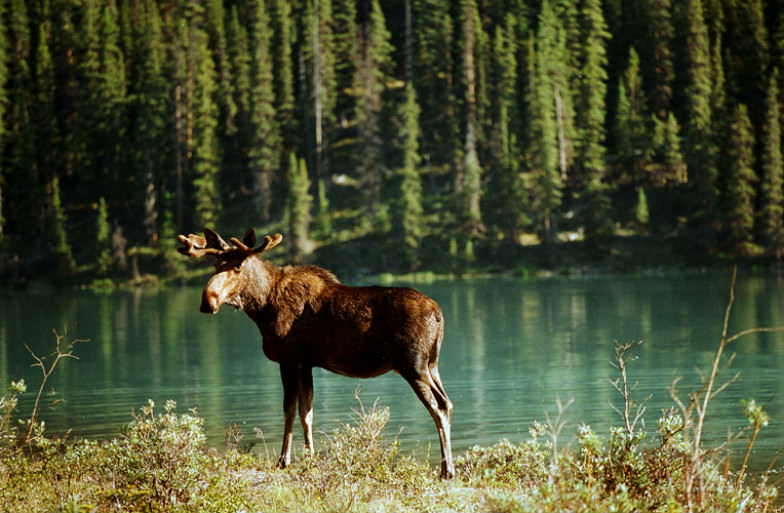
x=265, y=138
x=659, y=71
x=632, y=139
x=411, y=221
x=739, y=188
x=374, y=69
x=772, y=207
x=103, y=244
x=281, y=42
x=508, y=201
x=148, y=103
x=299, y=205
x=59, y=248
x=468, y=179
x=346, y=40
x=590, y=120
x=546, y=178
x=238, y=141
x=24, y=197
x=701, y=151
x=318, y=87
x=669, y=165
x=434, y=35
x=204, y=112
x=3, y=101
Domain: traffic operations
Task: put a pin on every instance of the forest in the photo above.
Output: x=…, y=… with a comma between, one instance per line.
x=424, y=134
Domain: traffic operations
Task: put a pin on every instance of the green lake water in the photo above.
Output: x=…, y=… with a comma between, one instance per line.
x=513, y=348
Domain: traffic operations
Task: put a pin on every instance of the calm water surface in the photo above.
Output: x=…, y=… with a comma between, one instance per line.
x=513, y=349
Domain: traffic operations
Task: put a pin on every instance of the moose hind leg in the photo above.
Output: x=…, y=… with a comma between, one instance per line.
x=306, y=407
x=428, y=388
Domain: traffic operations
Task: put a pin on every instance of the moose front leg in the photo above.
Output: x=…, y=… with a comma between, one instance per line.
x=306, y=407
x=289, y=375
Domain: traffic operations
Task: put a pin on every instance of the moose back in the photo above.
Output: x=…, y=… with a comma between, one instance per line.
x=307, y=319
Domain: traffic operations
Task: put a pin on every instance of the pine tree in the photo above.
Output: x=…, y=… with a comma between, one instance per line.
x=3, y=101
x=103, y=244
x=590, y=121
x=280, y=43
x=373, y=70
x=434, y=80
x=299, y=205
x=468, y=179
x=148, y=101
x=772, y=207
x=265, y=138
x=701, y=150
x=545, y=145
x=204, y=112
x=632, y=138
x=659, y=71
x=669, y=165
x=509, y=199
x=24, y=197
x=738, y=204
x=60, y=249
x=411, y=221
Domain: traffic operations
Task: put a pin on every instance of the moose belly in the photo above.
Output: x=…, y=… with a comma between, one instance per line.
x=355, y=365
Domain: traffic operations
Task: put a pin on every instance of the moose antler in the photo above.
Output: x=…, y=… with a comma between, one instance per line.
x=212, y=244
x=197, y=246
x=249, y=240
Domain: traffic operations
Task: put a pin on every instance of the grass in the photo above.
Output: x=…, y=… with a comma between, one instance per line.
x=160, y=463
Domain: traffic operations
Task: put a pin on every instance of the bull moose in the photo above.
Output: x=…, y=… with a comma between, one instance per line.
x=307, y=318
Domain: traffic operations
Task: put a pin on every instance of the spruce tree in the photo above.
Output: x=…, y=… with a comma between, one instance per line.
x=264, y=147
x=411, y=221
x=204, y=112
x=103, y=244
x=659, y=71
x=772, y=207
x=590, y=121
x=149, y=99
x=546, y=176
x=508, y=198
x=59, y=248
x=299, y=205
x=281, y=48
x=632, y=139
x=373, y=70
x=739, y=192
x=3, y=101
x=701, y=151
x=468, y=179
x=434, y=79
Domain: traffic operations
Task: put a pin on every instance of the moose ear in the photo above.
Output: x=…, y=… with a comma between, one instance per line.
x=249, y=239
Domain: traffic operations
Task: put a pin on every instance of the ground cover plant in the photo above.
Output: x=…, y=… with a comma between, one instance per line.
x=160, y=462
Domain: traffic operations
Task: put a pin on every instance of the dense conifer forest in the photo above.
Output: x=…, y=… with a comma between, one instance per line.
x=427, y=133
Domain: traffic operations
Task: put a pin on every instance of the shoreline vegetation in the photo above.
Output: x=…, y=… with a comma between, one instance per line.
x=355, y=260
x=160, y=462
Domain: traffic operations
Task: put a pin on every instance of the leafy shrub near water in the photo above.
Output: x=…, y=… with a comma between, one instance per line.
x=161, y=464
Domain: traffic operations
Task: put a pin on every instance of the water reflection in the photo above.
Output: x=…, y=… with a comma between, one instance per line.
x=513, y=347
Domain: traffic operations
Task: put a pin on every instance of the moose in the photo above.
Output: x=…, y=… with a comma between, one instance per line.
x=308, y=318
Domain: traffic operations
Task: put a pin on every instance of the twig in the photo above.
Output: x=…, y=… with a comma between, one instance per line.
x=59, y=353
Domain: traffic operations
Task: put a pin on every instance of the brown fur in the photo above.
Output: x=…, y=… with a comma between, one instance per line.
x=307, y=319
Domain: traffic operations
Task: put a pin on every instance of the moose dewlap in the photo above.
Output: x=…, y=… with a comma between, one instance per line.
x=307, y=319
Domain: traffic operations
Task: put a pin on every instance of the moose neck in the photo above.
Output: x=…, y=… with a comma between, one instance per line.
x=258, y=277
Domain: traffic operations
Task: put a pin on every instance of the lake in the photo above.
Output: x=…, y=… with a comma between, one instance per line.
x=513, y=348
